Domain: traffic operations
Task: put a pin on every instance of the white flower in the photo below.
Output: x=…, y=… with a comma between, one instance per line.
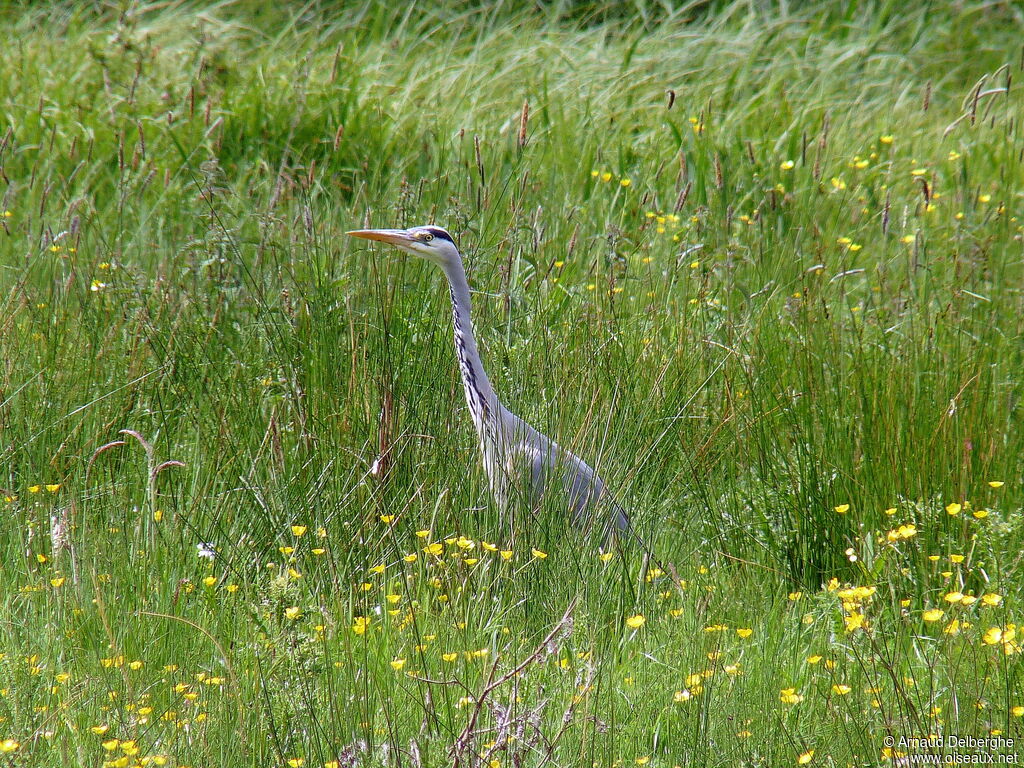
x=206, y=550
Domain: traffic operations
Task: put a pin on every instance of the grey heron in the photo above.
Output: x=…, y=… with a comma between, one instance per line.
x=513, y=451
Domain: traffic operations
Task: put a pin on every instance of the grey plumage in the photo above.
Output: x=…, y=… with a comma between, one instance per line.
x=513, y=451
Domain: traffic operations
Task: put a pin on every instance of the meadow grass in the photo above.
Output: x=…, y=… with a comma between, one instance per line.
x=761, y=263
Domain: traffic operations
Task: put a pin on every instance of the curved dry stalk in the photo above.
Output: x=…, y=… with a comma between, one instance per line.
x=464, y=738
x=102, y=449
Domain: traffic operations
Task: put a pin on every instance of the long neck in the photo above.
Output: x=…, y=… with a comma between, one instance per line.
x=480, y=397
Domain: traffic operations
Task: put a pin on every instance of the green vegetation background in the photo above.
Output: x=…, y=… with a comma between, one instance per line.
x=761, y=262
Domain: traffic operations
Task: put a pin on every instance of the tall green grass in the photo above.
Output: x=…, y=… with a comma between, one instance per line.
x=760, y=263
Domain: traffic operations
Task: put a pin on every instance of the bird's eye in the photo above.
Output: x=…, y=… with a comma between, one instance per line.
x=427, y=237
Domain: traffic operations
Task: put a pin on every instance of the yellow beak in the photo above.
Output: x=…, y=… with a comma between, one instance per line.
x=389, y=236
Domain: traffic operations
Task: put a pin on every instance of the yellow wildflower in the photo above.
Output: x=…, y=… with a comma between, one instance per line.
x=854, y=621
x=992, y=636
x=636, y=621
x=790, y=696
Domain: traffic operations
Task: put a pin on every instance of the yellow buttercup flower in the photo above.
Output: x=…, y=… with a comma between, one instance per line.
x=992, y=636
x=854, y=621
x=790, y=696
x=636, y=621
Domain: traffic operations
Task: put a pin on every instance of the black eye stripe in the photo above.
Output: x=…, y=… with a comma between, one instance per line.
x=436, y=232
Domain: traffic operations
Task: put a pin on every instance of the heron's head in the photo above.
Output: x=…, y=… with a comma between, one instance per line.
x=430, y=242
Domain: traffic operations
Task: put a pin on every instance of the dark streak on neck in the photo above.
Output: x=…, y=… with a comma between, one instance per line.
x=477, y=401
